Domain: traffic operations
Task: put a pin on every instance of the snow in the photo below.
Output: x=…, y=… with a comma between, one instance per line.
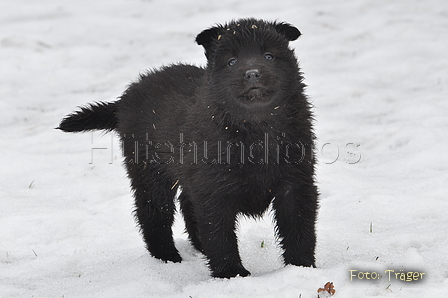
x=377, y=74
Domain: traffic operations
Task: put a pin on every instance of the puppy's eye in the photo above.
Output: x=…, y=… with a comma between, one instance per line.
x=269, y=56
x=232, y=62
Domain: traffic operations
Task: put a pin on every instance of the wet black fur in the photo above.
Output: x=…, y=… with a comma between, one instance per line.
x=236, y=136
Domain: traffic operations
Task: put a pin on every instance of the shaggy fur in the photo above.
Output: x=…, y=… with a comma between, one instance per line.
x=235, y=136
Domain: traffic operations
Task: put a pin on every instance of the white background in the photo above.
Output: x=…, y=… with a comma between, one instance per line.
x=377, y=72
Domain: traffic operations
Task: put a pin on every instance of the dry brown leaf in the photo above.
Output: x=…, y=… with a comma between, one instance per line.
x=329, y=288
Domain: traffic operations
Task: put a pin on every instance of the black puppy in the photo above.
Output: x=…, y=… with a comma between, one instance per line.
x=235, y=137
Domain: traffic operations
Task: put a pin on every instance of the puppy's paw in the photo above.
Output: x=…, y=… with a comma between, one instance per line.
x=304, y=262
x=175, y=258
x=231, y=272
x=168, y=256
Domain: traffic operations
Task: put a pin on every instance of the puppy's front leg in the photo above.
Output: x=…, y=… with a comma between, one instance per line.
x=295, y=208
x=216, y=227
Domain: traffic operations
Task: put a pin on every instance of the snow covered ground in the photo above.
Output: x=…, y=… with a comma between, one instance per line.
x=377, y=72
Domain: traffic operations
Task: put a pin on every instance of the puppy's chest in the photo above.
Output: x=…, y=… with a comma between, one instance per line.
x=238, y=149
x=235, y=172
x=253, y=188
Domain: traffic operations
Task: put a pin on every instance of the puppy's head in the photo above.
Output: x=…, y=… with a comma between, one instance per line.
x=250, y=67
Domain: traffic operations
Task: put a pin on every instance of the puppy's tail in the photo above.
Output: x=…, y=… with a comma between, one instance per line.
x=97, y=116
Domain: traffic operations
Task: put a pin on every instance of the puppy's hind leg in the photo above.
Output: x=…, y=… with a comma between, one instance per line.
x=154, y=202
x=216, y=231
x=190, y=221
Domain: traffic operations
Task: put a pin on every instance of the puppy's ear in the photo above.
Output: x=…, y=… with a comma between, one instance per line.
x=207, y=38
x=288, y=31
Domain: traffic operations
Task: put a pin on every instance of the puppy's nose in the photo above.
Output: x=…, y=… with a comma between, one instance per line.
x=252, y=75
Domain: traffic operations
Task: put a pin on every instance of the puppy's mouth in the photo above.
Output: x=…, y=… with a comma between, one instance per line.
x=256, y=96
